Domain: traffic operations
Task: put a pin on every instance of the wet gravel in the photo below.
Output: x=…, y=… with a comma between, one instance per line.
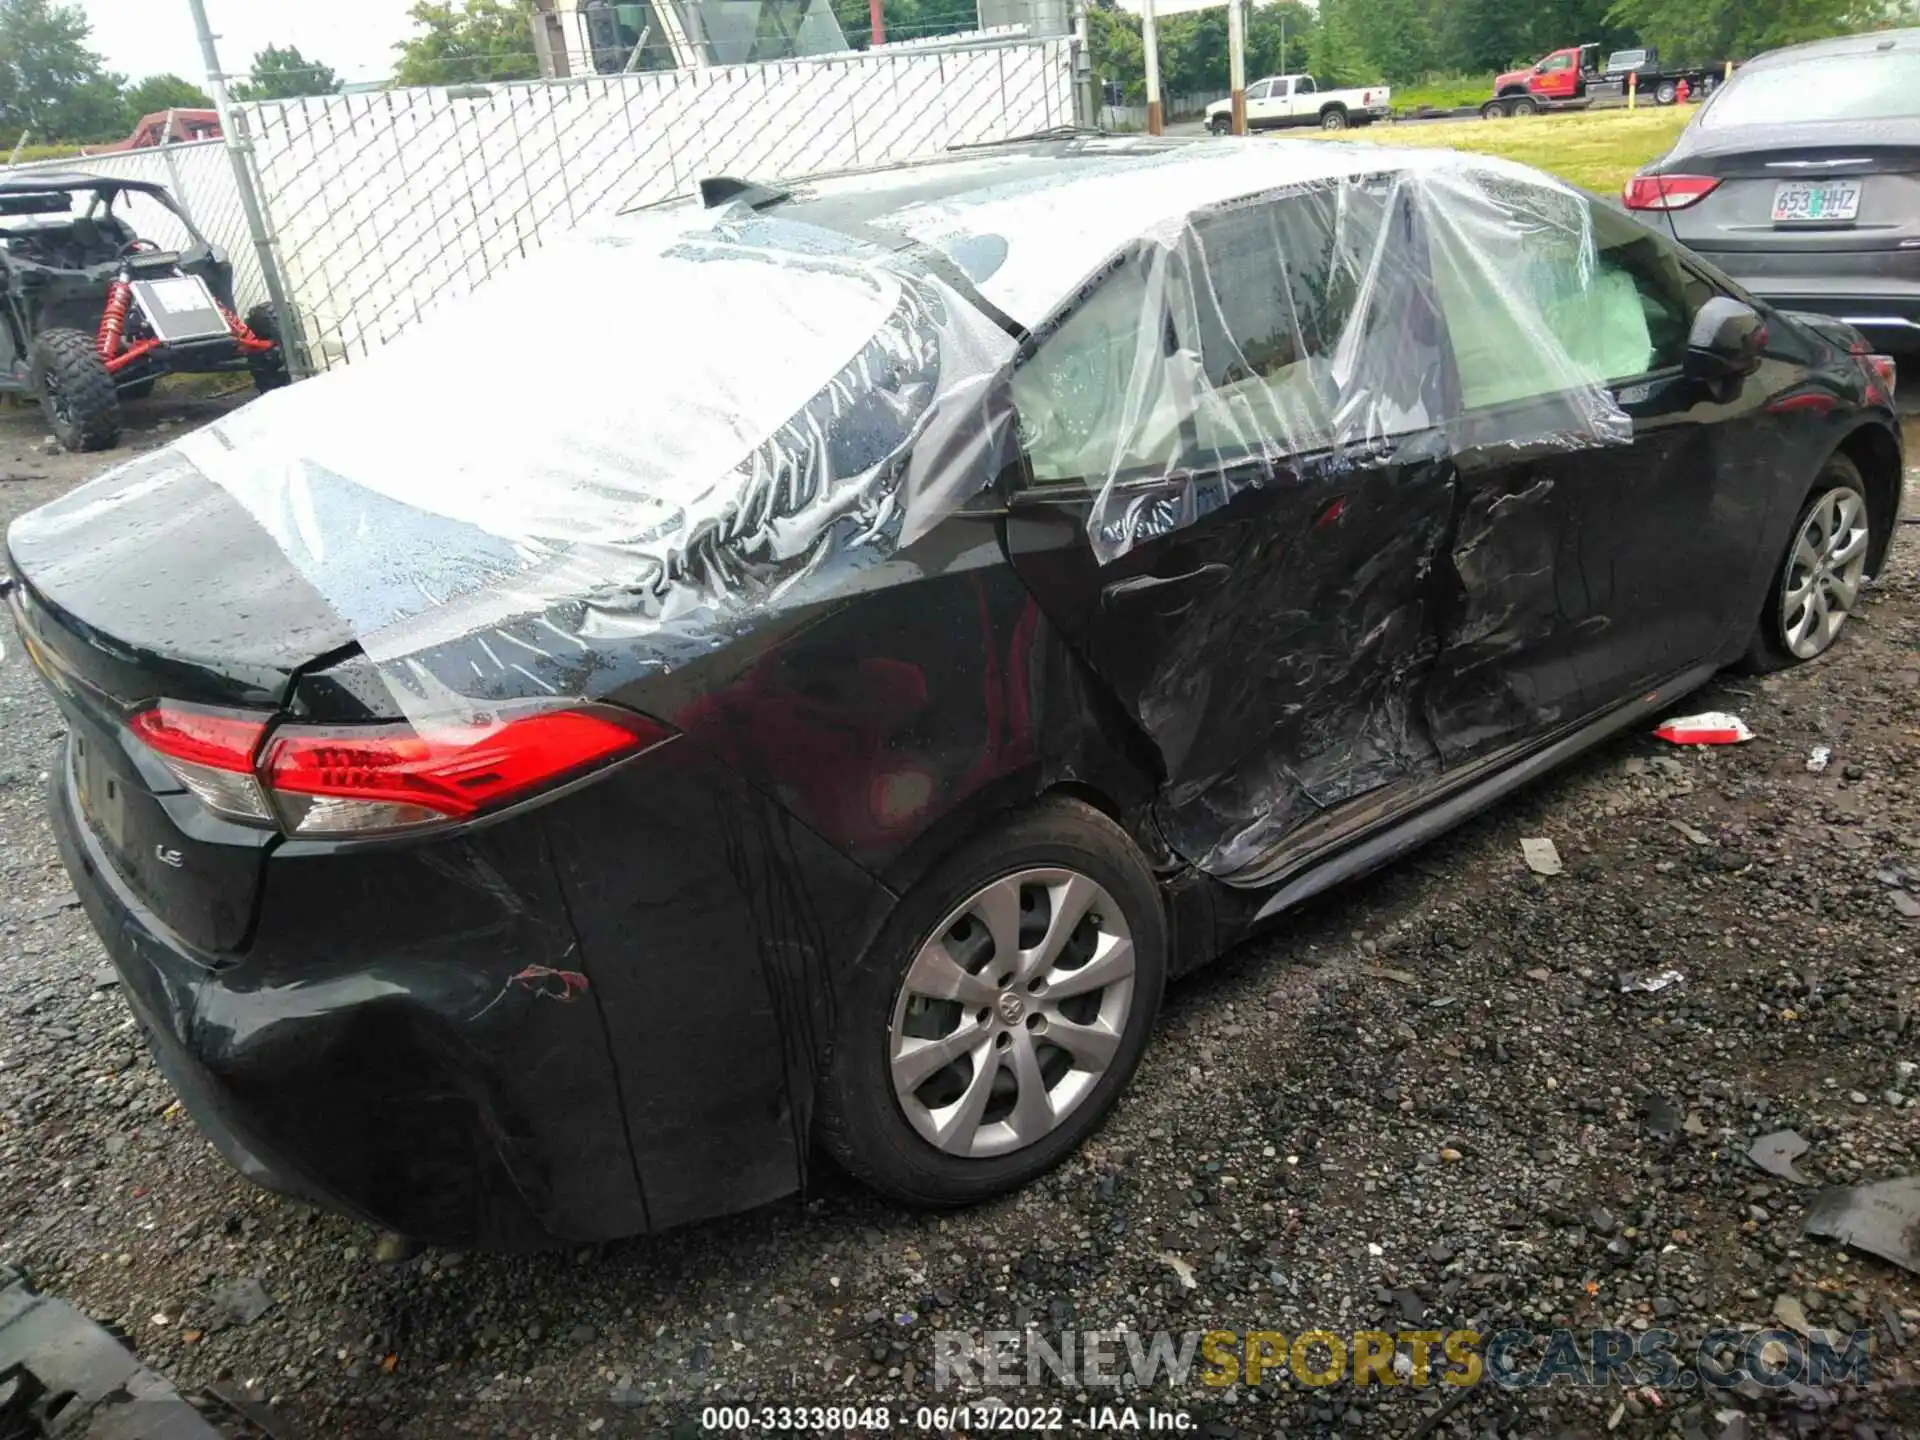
x=1426, y=1102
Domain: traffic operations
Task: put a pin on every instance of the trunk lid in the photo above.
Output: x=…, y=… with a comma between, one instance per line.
x=1755, y=164
x=149, y=584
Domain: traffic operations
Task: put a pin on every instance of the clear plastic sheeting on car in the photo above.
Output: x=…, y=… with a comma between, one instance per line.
x=647, y=439
x=1388, y=307
x=655, y=431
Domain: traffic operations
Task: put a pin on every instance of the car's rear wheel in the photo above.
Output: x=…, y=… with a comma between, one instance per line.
x=1000, y=1013
x=1818, y=584
x=1333, y=119
x=76, y=391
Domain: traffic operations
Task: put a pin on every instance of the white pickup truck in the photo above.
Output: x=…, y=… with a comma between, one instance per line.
x=1296, y=100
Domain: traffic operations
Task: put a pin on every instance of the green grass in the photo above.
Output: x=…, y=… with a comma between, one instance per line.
x=1596, y=150
x=1443, y=92
x=39, y=152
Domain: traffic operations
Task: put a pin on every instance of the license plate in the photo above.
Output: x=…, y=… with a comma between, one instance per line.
x=102, y=799
x=1801, y=200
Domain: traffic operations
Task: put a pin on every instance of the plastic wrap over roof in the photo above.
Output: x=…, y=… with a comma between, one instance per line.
x=644, y=439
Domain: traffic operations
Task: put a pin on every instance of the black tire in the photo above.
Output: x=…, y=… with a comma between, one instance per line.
x=1666, y=92
x=1221, y=125
x=1494, y=110
x=1333, y=118
x=861, y=1122
x=77, y=394
x=1770, y=649
x=1522, y=105
x=269, y=370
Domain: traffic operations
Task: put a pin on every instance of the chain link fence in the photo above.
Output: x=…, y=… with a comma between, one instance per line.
x=382, y=205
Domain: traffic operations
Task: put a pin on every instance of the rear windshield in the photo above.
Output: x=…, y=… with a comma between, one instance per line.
x=1881, y=85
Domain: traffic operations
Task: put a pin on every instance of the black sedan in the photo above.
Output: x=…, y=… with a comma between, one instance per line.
x=1801, y=180
x=892, y=626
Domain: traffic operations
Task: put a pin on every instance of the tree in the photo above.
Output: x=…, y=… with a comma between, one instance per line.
x=1334, y=52
x=1735, y=29
x=165, y=92
x=286, y=74
x=472, y=43
x=1277, y=37
x=51, y=82
x=1396, y=37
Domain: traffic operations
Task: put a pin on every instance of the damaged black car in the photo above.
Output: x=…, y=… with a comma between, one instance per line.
x=912, y=618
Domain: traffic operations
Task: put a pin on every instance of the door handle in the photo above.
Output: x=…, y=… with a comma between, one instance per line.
x=1122, y=591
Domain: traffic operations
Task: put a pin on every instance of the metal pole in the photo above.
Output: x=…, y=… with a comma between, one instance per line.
x=1237, y=64
x=239, y=149
x=1088, y=102
x=1150, y=42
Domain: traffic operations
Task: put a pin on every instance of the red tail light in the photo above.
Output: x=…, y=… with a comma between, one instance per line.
x=1667, y=192
x=343, y=780
x=211, y=753
x=1883, y=369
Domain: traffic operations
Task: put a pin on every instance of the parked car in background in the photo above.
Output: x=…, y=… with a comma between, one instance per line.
x=513, y=832
x=1801, y=180
x=1283, y=100
x=1571, y=79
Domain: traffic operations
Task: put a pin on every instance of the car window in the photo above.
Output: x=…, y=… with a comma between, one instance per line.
x=1304, y=85
x=1258, y=91
x=1882, y=85
x=1227, y=353
x=1620, y=309
x=1560, y=62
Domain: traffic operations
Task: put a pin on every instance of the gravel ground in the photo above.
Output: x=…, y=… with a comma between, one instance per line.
x=1424, y=1103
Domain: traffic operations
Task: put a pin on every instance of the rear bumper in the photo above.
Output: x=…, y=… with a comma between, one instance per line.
x=1884, y=308
x=376, y=1088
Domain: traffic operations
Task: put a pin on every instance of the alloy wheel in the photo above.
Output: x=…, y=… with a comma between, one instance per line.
x=1011, y=1012
x=1824, y=571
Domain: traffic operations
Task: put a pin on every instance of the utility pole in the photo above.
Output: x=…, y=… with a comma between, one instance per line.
x=1087, y=103
x=1150, y=42
x=239, y=151
x=1237, y=64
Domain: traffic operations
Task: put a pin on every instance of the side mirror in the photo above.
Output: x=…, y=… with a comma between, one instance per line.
x=1726, y=343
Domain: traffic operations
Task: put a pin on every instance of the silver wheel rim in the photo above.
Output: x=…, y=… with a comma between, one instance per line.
x=1824, y=572
x=1012, y=1011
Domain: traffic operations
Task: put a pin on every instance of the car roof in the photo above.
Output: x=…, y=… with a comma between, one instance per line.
x=1873, y=41
x=1028, y=222
x=40, y=182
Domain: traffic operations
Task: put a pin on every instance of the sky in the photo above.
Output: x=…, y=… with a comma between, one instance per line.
x=153, y=37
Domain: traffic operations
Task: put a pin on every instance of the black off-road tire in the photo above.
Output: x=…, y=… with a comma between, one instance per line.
x=860, y=1121
x=1768, y=650
x=76, y=392
x=269, y=370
